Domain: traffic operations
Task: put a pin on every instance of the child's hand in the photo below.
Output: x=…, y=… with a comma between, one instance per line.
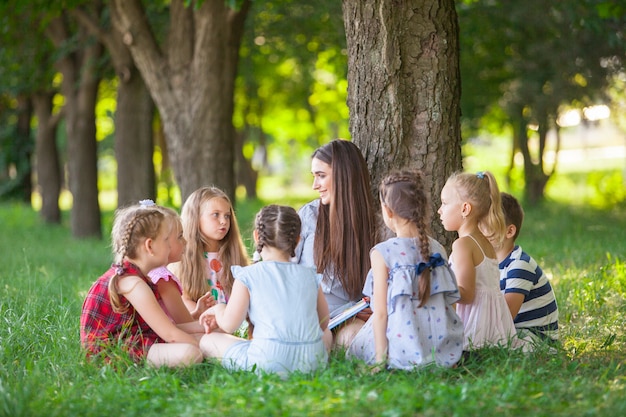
x=377, y=367
x=205, y=302
x=208, y=320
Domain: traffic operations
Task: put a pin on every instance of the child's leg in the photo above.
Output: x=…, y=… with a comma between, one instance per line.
x=174, y=354
x=215, y=344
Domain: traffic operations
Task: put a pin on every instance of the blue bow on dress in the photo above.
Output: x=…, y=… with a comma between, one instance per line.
x=434, y=261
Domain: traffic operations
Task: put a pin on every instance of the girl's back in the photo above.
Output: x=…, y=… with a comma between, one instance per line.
x=283, y=310
x=416, y=335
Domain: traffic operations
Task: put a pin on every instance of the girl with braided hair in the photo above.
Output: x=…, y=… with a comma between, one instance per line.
x=411, y=287
x=122, y=307
x=284, y=302
x=470, y=205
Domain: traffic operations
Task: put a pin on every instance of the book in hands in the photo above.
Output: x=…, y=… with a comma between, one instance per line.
x=347, y=311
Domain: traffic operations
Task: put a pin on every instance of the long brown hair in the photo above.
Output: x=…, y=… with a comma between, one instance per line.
x=346, y=229
x=193, y=269
x=404, y=193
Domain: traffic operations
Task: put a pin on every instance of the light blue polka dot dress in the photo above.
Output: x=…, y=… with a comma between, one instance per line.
x=416, y=336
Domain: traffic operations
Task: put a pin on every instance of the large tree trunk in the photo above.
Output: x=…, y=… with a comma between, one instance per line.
x=192, y=84
x=404, y=89
x=47, y=163
x=134, y=144
x=80, y=89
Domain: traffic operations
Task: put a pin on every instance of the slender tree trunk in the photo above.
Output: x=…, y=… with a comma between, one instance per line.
x=404, y=88
x=24, y=148
x=134, y=144
x=80, y=90
x=134, y=141
x=47, y=163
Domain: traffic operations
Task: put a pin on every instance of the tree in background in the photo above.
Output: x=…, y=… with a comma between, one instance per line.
x=291, y=88
x=404, y=88
x=78, y=61
x=26, y=70
x=190, y=75
x=134, y=114
x=530, y=59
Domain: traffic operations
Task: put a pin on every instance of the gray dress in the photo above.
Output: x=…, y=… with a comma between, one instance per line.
x=416, y=336
x=283, y=310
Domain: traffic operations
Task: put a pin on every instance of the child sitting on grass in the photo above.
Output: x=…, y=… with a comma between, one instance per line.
x=526, y=288
x=122, y=307
x=412, y=287
x=285, y=303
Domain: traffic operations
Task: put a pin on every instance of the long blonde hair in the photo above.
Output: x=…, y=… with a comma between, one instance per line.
x=193, y=268
x=132, y=225
x=482, y=192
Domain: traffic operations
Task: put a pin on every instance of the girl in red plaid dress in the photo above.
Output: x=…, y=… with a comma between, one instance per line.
x=122, y=307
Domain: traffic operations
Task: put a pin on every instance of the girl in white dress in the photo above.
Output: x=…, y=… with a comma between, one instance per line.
x=411, y=287
x=470, y=204
x=284, y=301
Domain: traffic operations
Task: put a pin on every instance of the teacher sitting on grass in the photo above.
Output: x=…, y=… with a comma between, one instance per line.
x=338, y=229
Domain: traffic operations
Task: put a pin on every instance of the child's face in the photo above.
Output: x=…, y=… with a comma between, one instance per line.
x=215, y=221
x=177, y=242
x=161, y=246
x=450, y=211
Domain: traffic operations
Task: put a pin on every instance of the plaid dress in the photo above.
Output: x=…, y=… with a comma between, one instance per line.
x=102, y=328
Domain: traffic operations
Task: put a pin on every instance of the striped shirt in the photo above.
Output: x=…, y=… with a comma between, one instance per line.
x=519, y=273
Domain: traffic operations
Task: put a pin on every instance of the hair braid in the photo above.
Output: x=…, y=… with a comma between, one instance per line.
x=278, y=227
x=404, y=192
x=131, y=226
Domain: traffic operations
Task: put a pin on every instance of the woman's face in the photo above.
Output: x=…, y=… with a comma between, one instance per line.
x=322, y=180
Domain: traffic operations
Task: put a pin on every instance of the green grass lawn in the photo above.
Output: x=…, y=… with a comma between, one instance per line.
x=45, y=274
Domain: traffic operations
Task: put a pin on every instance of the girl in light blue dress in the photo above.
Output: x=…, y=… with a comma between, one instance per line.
x=411, y=287
x=284, y=302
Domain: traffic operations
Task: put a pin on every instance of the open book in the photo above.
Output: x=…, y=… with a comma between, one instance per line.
x=346, y=311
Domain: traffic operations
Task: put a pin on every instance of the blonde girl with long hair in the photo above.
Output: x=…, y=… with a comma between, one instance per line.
x=214, y=244
x=471, y=205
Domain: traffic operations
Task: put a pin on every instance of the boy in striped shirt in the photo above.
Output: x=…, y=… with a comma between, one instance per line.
x=525, y=287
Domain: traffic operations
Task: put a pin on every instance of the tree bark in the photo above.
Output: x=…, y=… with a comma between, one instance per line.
x=47, y=163
x=404, y=89
x=24, y=148
x=192, y=84
x=80, y=90
x=134, y=142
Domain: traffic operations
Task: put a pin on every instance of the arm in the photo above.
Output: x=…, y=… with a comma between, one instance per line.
x=322, y=309
x=515, y=301
x=304, y=249
x=139, y=294
x=381, y=273
x=464, y=269
x=230, y=316
x=173, y=301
